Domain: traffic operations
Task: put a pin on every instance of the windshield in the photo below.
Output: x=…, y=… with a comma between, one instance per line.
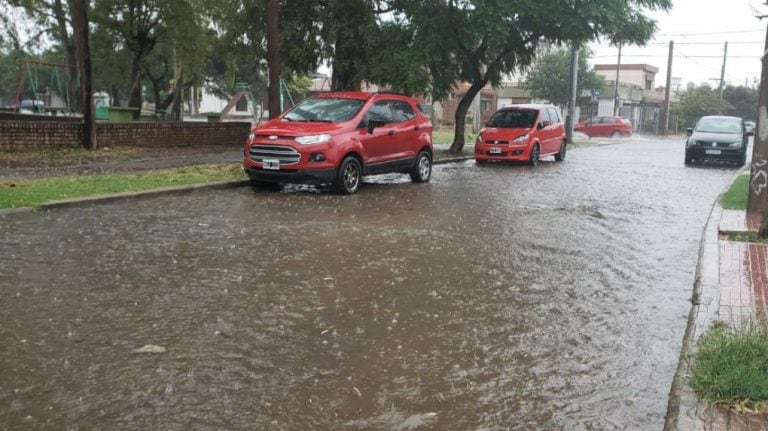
x=325, y=110
x=514, y=119
x=719, y=125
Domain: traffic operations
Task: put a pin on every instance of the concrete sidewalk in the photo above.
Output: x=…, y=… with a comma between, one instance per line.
x=731, y=286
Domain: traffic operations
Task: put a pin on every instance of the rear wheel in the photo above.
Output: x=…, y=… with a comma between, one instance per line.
x=348, y=177
x=534, y=160
x=560, y=156
x=422, y=171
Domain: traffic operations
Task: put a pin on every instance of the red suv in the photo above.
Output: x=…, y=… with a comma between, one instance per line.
x=336, y=138
x=522, y=133
x=615, y=127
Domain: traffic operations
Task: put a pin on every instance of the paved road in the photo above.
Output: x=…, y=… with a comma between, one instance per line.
x=494, y=297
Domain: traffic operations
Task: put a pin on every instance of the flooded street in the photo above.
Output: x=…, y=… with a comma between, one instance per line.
x=495, y=297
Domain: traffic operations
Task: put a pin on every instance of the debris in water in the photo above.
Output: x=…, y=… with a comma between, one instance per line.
x=357, y=391
x=150, y=348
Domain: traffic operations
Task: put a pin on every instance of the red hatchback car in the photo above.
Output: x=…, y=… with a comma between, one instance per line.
x=336, y=138
x=522, y=133
x=615, y=127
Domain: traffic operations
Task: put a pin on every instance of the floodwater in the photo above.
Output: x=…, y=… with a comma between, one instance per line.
x=495, y=297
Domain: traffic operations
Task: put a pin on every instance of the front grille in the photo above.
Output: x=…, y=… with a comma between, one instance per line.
x=286, y=155
x=490, y=154
x=492, y=142
x=709, y=144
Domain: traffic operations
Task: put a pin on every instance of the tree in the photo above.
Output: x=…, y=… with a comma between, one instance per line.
x=549, y=75
x=698, y=102
x=80, y=25
x=743, y=101
x=479, y=42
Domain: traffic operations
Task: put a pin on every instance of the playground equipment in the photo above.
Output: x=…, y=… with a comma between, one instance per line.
x=32, y=85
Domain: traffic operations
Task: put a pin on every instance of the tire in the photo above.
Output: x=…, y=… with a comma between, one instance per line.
x=534, y=160
x=422, y=170
x=560, y=156
x=616, y=134
x=481, y=162
x=348, y=177
x=688, y=159
x=742, y=159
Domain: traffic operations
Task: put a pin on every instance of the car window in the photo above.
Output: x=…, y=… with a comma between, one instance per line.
x=324, y=110
x=513, y=118
x=553, y=115
x=544, y=116
x=401, y=111
x=380, y=111
x=719, y=125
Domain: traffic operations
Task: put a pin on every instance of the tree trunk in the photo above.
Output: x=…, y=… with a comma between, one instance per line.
x=757, y=198
x=273, y=58
x=69, y=46
x=461, y=114
x=80, y=24
x=137, y=78
x=178, y=88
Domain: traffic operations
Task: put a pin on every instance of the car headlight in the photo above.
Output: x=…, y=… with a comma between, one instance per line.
x=522, y=138
x=736, y=144
x=313, y=139
x=690, y=142
x=479, y=140
x=252, y=136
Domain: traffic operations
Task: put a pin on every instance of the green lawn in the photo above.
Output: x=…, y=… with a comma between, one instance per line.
x=736, y=196
x=32, y=193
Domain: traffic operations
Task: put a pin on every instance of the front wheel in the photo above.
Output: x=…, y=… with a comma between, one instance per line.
x=616, y=134
x=560, y=156
x=348, y=177
x=534, y=160
x=422, y=170
x=688, y=159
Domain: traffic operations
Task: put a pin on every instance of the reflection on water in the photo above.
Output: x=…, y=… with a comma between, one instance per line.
x=494, y=297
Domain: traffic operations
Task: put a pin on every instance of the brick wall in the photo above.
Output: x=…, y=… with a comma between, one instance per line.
x=34, y=133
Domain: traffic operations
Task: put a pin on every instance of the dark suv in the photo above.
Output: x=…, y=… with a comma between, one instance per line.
x=336, y=138
x=717, y=137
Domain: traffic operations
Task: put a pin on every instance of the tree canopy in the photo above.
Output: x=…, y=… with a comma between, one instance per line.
x=549, y=75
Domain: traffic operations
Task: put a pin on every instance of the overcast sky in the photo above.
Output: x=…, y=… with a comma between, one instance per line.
x=700, y=29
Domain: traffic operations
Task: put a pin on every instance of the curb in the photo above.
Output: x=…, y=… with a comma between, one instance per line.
x=74, y=202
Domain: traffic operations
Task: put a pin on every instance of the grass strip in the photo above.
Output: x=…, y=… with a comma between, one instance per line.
x=731, y=367
x=32, y=193
x=736, y=196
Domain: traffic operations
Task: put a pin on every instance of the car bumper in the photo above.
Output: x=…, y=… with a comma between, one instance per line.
x=733, y=154
x=505, y=153
x=306, y=176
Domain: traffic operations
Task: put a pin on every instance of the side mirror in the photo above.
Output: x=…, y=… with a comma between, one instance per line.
x=750, y=133
x=543, y=124
x=689, y=131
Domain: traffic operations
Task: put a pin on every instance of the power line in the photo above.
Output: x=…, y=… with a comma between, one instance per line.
x=711, y=32
x=706, y=43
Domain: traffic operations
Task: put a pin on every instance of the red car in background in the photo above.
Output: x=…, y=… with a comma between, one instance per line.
x=522, y=133
x=614, y=127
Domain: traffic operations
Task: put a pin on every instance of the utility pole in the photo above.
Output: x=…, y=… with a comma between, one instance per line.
x=80, y=26
x=722, y=71
x=757, y=199
x=573, y=84
x=616, y=87
x=668, y=89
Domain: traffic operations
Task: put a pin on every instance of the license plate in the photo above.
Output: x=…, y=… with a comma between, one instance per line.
x=495, y=150
x=715, y=152
x=272, y=164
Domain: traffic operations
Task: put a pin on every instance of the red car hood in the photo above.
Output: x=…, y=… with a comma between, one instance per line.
x=298, y=128
x=503, y=133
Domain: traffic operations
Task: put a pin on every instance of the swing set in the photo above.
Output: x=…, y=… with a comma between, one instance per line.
x=37, y=82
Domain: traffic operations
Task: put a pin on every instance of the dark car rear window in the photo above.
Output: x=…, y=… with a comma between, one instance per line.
x=514, y=118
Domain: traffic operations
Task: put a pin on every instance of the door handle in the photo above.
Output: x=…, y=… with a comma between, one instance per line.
x=417, y=128
x=391, y=133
